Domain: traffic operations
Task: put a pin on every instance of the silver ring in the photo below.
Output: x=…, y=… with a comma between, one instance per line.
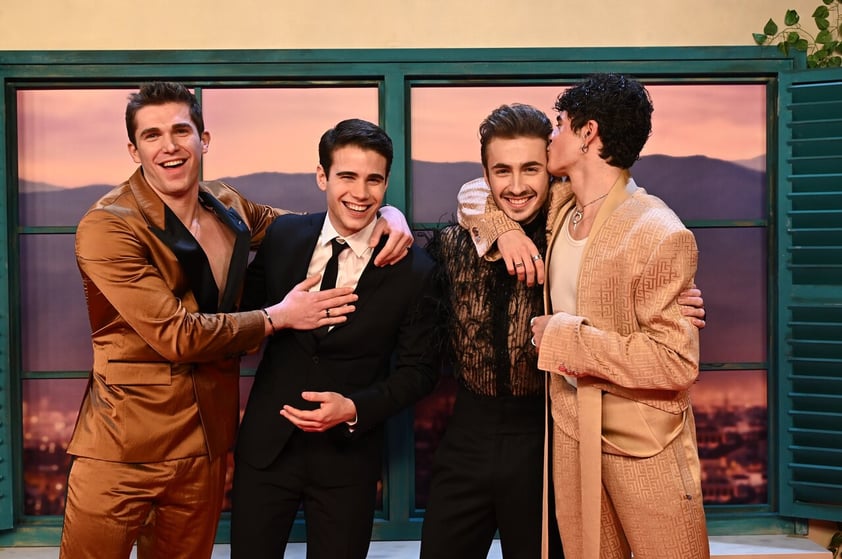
x=519, y=265
x=532, y=321
x=327, y=313
x=536, y=257
x=532, y=339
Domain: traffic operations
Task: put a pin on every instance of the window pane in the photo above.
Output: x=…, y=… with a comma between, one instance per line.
x=445, y=146
x=731, y=429
x=53, y=313
x=71, y=150
x=431, y=417
x=732, y=274
x=706, y=157
x=50, y=408
x=265, y=141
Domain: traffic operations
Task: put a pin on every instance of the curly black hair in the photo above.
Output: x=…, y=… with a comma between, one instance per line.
x=622, y=108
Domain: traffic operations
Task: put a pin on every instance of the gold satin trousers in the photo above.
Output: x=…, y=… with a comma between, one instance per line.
x=170, y=508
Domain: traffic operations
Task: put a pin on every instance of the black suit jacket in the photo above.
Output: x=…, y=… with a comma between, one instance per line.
x=383, y=358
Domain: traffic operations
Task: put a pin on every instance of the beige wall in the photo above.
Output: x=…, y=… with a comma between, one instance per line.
x=282, y=24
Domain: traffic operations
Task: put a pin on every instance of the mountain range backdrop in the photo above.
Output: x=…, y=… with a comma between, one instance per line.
x=732, y=268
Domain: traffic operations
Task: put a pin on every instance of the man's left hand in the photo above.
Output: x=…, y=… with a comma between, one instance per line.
x=333, y=409
x=393, y=223
x=693, y=306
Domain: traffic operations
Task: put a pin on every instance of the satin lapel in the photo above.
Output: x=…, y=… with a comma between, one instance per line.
x=150, y=204
x=239, y=256
x=172, y=233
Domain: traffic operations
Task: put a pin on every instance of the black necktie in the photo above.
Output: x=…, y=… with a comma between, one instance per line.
x=332, y=266
x=329, y=277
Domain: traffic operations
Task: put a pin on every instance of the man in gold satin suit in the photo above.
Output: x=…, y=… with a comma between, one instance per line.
x=162, y=259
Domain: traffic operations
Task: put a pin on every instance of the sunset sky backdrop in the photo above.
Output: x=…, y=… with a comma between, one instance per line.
x=77, y=138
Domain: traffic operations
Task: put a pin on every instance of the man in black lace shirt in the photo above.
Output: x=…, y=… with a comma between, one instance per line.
x=487, y=469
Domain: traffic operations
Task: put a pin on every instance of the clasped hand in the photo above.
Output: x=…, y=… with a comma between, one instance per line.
x=333, y=409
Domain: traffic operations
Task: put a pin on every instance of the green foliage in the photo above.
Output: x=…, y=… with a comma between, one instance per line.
x=836, y=543
x=824, y=49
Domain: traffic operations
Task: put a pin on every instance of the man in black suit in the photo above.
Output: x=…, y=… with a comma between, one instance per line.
x=313, y=427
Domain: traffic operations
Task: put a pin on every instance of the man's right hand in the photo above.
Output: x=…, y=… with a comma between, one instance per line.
x=521, y=256
x=303, y=309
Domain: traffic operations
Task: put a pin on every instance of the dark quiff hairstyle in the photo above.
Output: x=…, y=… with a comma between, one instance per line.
x=510, y=122
x=355, y=132
x=622, y=108
x=159, y=93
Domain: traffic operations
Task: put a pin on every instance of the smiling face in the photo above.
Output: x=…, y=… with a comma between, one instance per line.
x=355, y=186
x=169, y=148
x=516, y=172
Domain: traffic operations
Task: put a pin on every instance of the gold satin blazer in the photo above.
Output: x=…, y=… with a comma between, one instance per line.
x=165, y=377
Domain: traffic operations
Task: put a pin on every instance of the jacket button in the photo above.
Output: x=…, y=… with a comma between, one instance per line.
x=316, y=359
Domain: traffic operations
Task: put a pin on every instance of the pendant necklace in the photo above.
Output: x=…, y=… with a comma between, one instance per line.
x=579, y=212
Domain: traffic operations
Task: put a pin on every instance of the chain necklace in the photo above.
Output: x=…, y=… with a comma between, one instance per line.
x=579, y=212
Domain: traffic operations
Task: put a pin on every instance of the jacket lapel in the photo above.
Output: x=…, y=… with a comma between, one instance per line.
x=239, y=257
x=174, y=235
x=370, y=281
x=298, y=261
x=618, y=194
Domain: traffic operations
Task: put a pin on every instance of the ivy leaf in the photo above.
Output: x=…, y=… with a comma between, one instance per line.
x=822, y=23
x=792, y=37
x=802, y=45
x=791, y=17
x=834, y=61
x=835, y=541
x=784, y=48
x=759, y=38
x=771, y=28
x=821, y=13
x=824, y=37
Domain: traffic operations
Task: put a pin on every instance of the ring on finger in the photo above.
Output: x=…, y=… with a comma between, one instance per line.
x=536, y=257
x=519, y=265
x=532, y=341
x=327, y=313
x=532, y=321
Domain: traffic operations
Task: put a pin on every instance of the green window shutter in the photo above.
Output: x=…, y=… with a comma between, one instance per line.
x=809, y=380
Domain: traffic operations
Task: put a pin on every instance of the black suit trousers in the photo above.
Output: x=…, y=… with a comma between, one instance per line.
x=266, y=501
x=488, y=477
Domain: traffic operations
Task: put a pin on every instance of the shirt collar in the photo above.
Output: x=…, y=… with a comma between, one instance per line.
x=358, y=241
